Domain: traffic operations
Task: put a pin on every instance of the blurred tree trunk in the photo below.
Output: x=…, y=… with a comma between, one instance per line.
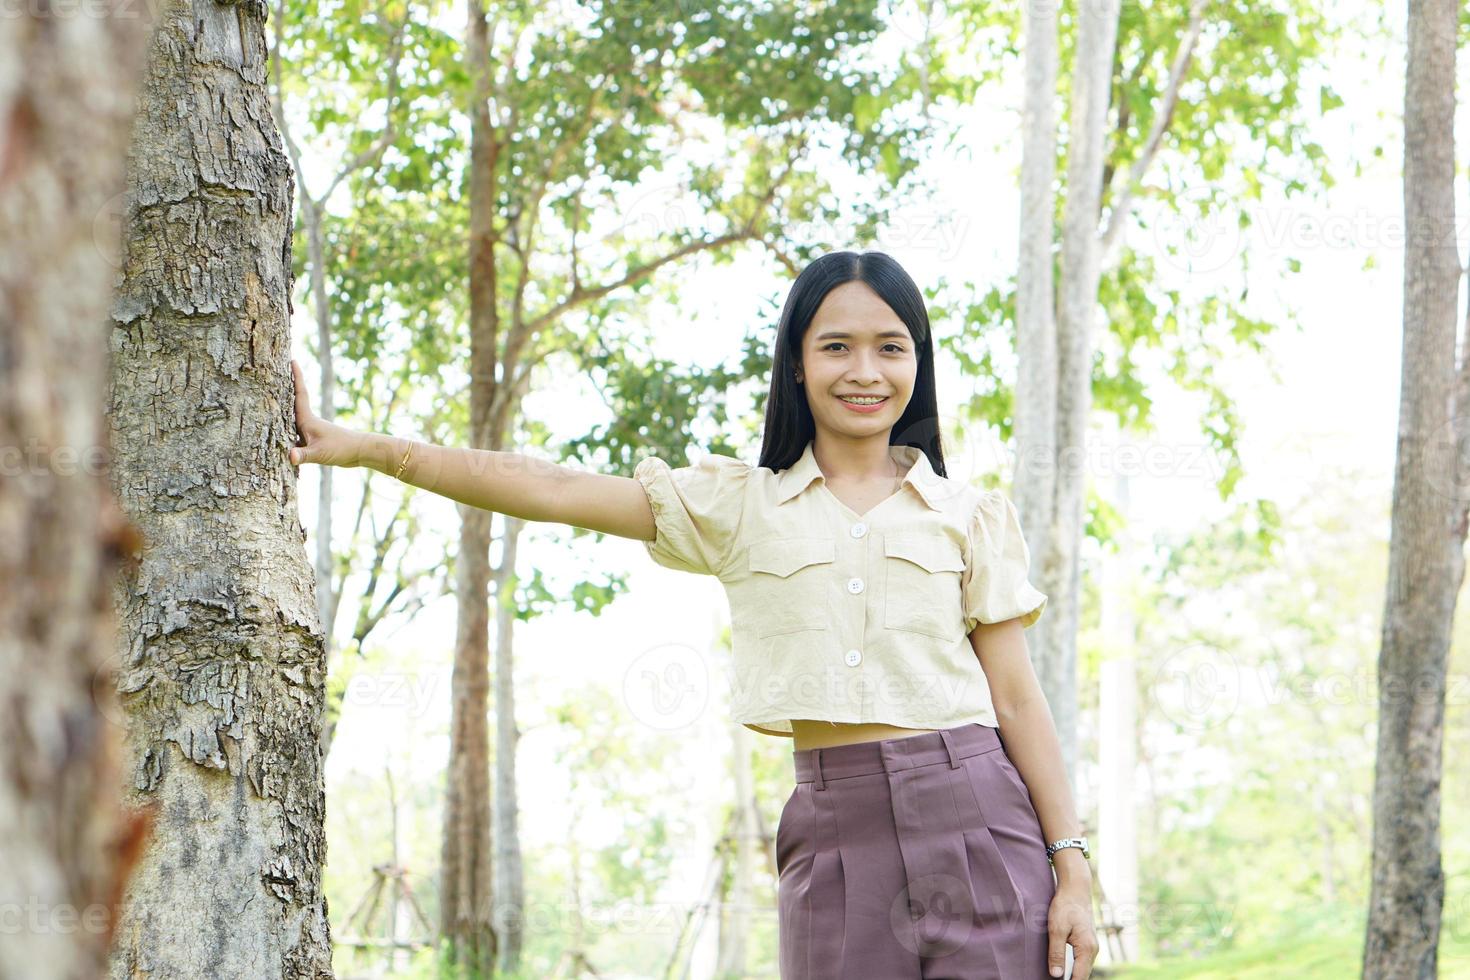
x=1426, y=562
x=737, y=891
x=466, y=879
x=1097, y=31
x=1054, y=391
x=1036, y=321
x=220, y=641
x=510, y=885
x=1055, y=321
x=66, y=105
x=506, y=344
x=1117, y=736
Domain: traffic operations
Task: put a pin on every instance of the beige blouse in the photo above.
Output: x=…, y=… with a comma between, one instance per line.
x=846, y=617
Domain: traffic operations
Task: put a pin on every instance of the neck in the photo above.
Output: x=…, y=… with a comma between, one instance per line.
x=855, y=460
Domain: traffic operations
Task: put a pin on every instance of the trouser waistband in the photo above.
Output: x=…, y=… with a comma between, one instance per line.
x=894, y=754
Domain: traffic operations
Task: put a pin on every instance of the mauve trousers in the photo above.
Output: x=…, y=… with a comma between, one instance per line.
x=912, y=858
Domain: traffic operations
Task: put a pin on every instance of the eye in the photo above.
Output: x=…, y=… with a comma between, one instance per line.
x=838, y=343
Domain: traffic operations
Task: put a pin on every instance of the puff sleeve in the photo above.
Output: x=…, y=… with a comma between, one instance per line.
x=994, y=583
x=696, y=511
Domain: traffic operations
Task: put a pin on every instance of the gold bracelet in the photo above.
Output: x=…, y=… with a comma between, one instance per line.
x=403, y=462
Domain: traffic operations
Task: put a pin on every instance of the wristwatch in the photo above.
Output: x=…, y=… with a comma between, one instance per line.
x=1055, y=846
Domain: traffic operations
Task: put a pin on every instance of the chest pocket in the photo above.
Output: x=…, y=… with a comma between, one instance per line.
x=791, y=579
x=922, y=585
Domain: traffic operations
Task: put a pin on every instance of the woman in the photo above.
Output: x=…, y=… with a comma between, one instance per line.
x=877, y=610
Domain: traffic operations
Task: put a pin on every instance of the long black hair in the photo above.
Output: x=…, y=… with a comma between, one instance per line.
x=789, y=423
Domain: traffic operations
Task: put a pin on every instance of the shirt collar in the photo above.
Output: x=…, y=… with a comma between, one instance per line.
x=921, y=476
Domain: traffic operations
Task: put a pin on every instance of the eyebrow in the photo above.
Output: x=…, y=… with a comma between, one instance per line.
x=825, y=335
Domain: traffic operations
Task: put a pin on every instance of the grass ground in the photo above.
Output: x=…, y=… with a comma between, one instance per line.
x=1323, y=957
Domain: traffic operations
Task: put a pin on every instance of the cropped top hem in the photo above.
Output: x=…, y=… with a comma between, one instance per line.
x=782, y=725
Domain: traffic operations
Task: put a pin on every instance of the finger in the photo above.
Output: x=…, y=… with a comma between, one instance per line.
x=303, y=454
x=1082, y=965
x=1056, y=954
x=303, y=401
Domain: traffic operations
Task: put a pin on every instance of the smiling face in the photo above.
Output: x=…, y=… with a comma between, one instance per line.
x=856, y=345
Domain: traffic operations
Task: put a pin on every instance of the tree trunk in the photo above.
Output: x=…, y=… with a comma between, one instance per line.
x=510, y=886
x=1117, y=736
x=1036, y=325
x=220, y=641
x=66, y=105
x=737, y=892
x=326, y=579
x=465, y=864
x=466, y=882
x=1425, y=559
x=1060, y=573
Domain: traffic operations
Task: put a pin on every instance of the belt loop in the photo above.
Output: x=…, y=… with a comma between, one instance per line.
x=817, y=769
x=954, y=755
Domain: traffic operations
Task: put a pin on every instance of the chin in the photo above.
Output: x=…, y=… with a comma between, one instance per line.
x=865, y=427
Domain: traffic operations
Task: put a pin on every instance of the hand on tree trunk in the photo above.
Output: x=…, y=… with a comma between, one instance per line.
x=318, y=441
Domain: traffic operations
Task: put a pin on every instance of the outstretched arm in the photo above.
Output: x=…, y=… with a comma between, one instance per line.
x=507, y=482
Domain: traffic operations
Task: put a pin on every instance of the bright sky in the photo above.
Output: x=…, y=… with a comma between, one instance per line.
x=1334, y=406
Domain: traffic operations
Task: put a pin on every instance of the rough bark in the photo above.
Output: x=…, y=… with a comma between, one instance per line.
x=1059, y=567
x=220, y=643
x=66, y=104
x=1426, y=558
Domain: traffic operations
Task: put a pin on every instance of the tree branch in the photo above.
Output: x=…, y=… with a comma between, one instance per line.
x=385, y=139
x=1125, y=115
x=277, y=107
x=576, y=223
x=786, y=261
x=582, y=294
x=1118, y=216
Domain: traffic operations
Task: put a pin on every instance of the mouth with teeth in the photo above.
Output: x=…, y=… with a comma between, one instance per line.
x=863, y=403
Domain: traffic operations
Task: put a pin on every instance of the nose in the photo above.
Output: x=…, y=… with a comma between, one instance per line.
x=865, y=369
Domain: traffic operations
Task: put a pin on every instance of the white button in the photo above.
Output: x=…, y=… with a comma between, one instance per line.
x=858, y=530
x=854, y=585
x=853, y=658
